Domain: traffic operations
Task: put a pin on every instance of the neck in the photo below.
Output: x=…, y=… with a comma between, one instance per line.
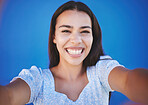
x=70, y=72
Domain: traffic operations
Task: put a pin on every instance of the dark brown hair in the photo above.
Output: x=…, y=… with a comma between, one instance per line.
x=96, y=49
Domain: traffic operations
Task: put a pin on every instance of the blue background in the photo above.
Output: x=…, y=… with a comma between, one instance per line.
x=24, y=30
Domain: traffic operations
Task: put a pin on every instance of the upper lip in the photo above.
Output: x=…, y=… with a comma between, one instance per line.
x=75, y=48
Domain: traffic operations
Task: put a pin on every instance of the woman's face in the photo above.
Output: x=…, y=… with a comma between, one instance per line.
x=73, y=36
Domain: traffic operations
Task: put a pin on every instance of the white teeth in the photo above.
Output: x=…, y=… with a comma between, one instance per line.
x=71, y=51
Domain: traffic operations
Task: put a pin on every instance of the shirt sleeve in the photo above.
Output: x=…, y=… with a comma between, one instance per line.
x=33, y=77
x=104, y=67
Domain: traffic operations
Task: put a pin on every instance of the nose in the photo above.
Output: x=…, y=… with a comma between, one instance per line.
x=75, y=38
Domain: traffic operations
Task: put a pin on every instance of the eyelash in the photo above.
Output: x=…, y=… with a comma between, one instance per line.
x=85, y=32
x=67, y=31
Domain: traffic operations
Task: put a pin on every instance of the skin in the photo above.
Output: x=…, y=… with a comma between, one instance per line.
x=69, y=75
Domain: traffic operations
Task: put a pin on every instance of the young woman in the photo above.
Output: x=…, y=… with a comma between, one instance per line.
x=79, y=73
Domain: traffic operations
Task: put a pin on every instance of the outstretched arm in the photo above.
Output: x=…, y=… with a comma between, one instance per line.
x=132, y=83
x=15, y=93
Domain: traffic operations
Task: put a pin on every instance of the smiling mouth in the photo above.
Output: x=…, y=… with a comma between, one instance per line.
x=74, y=51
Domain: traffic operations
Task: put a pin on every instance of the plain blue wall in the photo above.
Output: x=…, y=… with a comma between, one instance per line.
x=25, y=27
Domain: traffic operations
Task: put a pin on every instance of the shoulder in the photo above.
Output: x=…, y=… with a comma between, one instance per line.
x=105, y=57
x=34, y=71
x=104, y=63
x=35, y=77
x=107, y=62
x=103, y=68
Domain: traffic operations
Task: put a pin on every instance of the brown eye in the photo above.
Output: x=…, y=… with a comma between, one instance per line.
x=66, y=31
x=85, y=32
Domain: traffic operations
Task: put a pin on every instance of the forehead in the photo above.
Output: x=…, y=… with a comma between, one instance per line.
x=73, y=18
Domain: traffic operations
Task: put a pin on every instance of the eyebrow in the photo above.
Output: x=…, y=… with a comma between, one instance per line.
x=68, y=26
x=85, y=27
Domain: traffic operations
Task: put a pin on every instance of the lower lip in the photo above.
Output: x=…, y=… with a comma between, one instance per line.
x=75, y=55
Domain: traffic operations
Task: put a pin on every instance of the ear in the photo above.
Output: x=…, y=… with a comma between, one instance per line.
x=54, y=40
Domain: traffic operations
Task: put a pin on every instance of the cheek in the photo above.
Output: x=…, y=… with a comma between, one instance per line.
x=89, y=41
x=60, y=38
x=60, y=42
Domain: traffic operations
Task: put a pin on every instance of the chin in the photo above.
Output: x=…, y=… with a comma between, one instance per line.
x=76, y=63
